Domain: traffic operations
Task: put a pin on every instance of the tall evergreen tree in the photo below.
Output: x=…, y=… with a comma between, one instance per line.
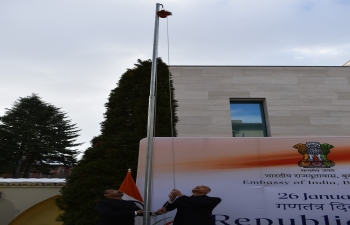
x=105, y=163
x=35, y=134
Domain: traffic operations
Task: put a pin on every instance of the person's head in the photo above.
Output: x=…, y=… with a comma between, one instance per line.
x=112, y=193
x=201, y=190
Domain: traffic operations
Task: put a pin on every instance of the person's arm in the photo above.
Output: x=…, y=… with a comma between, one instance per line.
x=170, y=205
x=203, y=202
x=167, y=206
x=104, y=209
x=139, y=212
x=138, y=207
x=161, y=211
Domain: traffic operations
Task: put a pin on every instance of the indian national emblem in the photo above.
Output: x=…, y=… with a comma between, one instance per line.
x=314, y=155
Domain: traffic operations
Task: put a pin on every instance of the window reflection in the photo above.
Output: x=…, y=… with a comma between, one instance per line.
x=247, y=119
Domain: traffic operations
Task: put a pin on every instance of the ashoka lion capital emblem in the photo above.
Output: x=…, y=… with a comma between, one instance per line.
x=314, y=155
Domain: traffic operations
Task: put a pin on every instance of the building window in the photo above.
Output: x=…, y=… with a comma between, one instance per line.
x=248, y=119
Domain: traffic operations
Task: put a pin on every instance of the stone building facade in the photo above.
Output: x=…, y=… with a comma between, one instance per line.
x=297, y=101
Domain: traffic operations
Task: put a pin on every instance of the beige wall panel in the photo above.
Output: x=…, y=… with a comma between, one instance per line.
x=188, y=107
x=318, y=107
x=334, y=87
x=223, y=72
x=267, y=95
x=343, y=95
x=191, y=95
x=195, y=120
x=180, y=87
x=288, y=121
x=238, y=72
x=222, y=80
x=310, y=113
x=328, y=130
x=281, y=88
x=258, y=71
x=345, y=121
x=202, y=102
x=305, y=101
x=343, y=108
x=289, y=95
x=320, y=88
x=341, y=102
x=282, y=131
x=202, y=80
x=339, y=72
x=203, y=135
x=280, y=113
x=299, y=102
x=339, y=114
x=325, y=121
x=229, y=87
x=303, y=108
x=221, y=120
x=301, y=72
x=209, y=87
x=323, y=130
x=265, y=80
x=203, y=129
x=272, y=88
x=203, y=113
x=318, y=95
x=272, y=108
x=226, y=94
x=335, y=80
x=311, y=80
x=191, y=72
x=176, y=72
x=218, y=107
x=197, y=87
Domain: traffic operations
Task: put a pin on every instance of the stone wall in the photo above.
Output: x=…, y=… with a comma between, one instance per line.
x=299, y=101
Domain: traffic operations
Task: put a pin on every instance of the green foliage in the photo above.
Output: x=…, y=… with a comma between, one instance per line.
x=34, y=134
x=325, y=148
x=105, y=164
x=7, y=158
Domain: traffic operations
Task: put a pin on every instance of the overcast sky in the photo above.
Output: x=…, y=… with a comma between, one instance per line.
x=73, y=52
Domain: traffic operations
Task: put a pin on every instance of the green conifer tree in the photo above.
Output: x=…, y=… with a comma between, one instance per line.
x=35, y=134
x=105, y=163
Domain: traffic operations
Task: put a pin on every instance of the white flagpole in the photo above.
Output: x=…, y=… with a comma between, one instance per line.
x=150, y=124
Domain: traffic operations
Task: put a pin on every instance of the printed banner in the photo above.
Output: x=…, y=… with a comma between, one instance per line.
x=261, y=181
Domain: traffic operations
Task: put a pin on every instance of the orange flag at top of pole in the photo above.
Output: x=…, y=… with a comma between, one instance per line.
x=129, y=187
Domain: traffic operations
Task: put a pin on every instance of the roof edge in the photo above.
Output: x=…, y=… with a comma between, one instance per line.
x=249, y=66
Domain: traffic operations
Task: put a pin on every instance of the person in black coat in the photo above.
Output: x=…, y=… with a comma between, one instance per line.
x=191, y=210
x=115, y=211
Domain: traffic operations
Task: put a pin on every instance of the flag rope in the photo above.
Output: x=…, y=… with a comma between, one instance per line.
x=171, y=106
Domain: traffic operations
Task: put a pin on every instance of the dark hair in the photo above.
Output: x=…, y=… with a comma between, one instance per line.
x=104, y=192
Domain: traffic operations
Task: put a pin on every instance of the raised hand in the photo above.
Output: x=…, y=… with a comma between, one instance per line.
x=176, y=193
x=161, y=211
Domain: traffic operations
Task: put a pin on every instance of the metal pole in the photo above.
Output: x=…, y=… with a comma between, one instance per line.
x=150, y=125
